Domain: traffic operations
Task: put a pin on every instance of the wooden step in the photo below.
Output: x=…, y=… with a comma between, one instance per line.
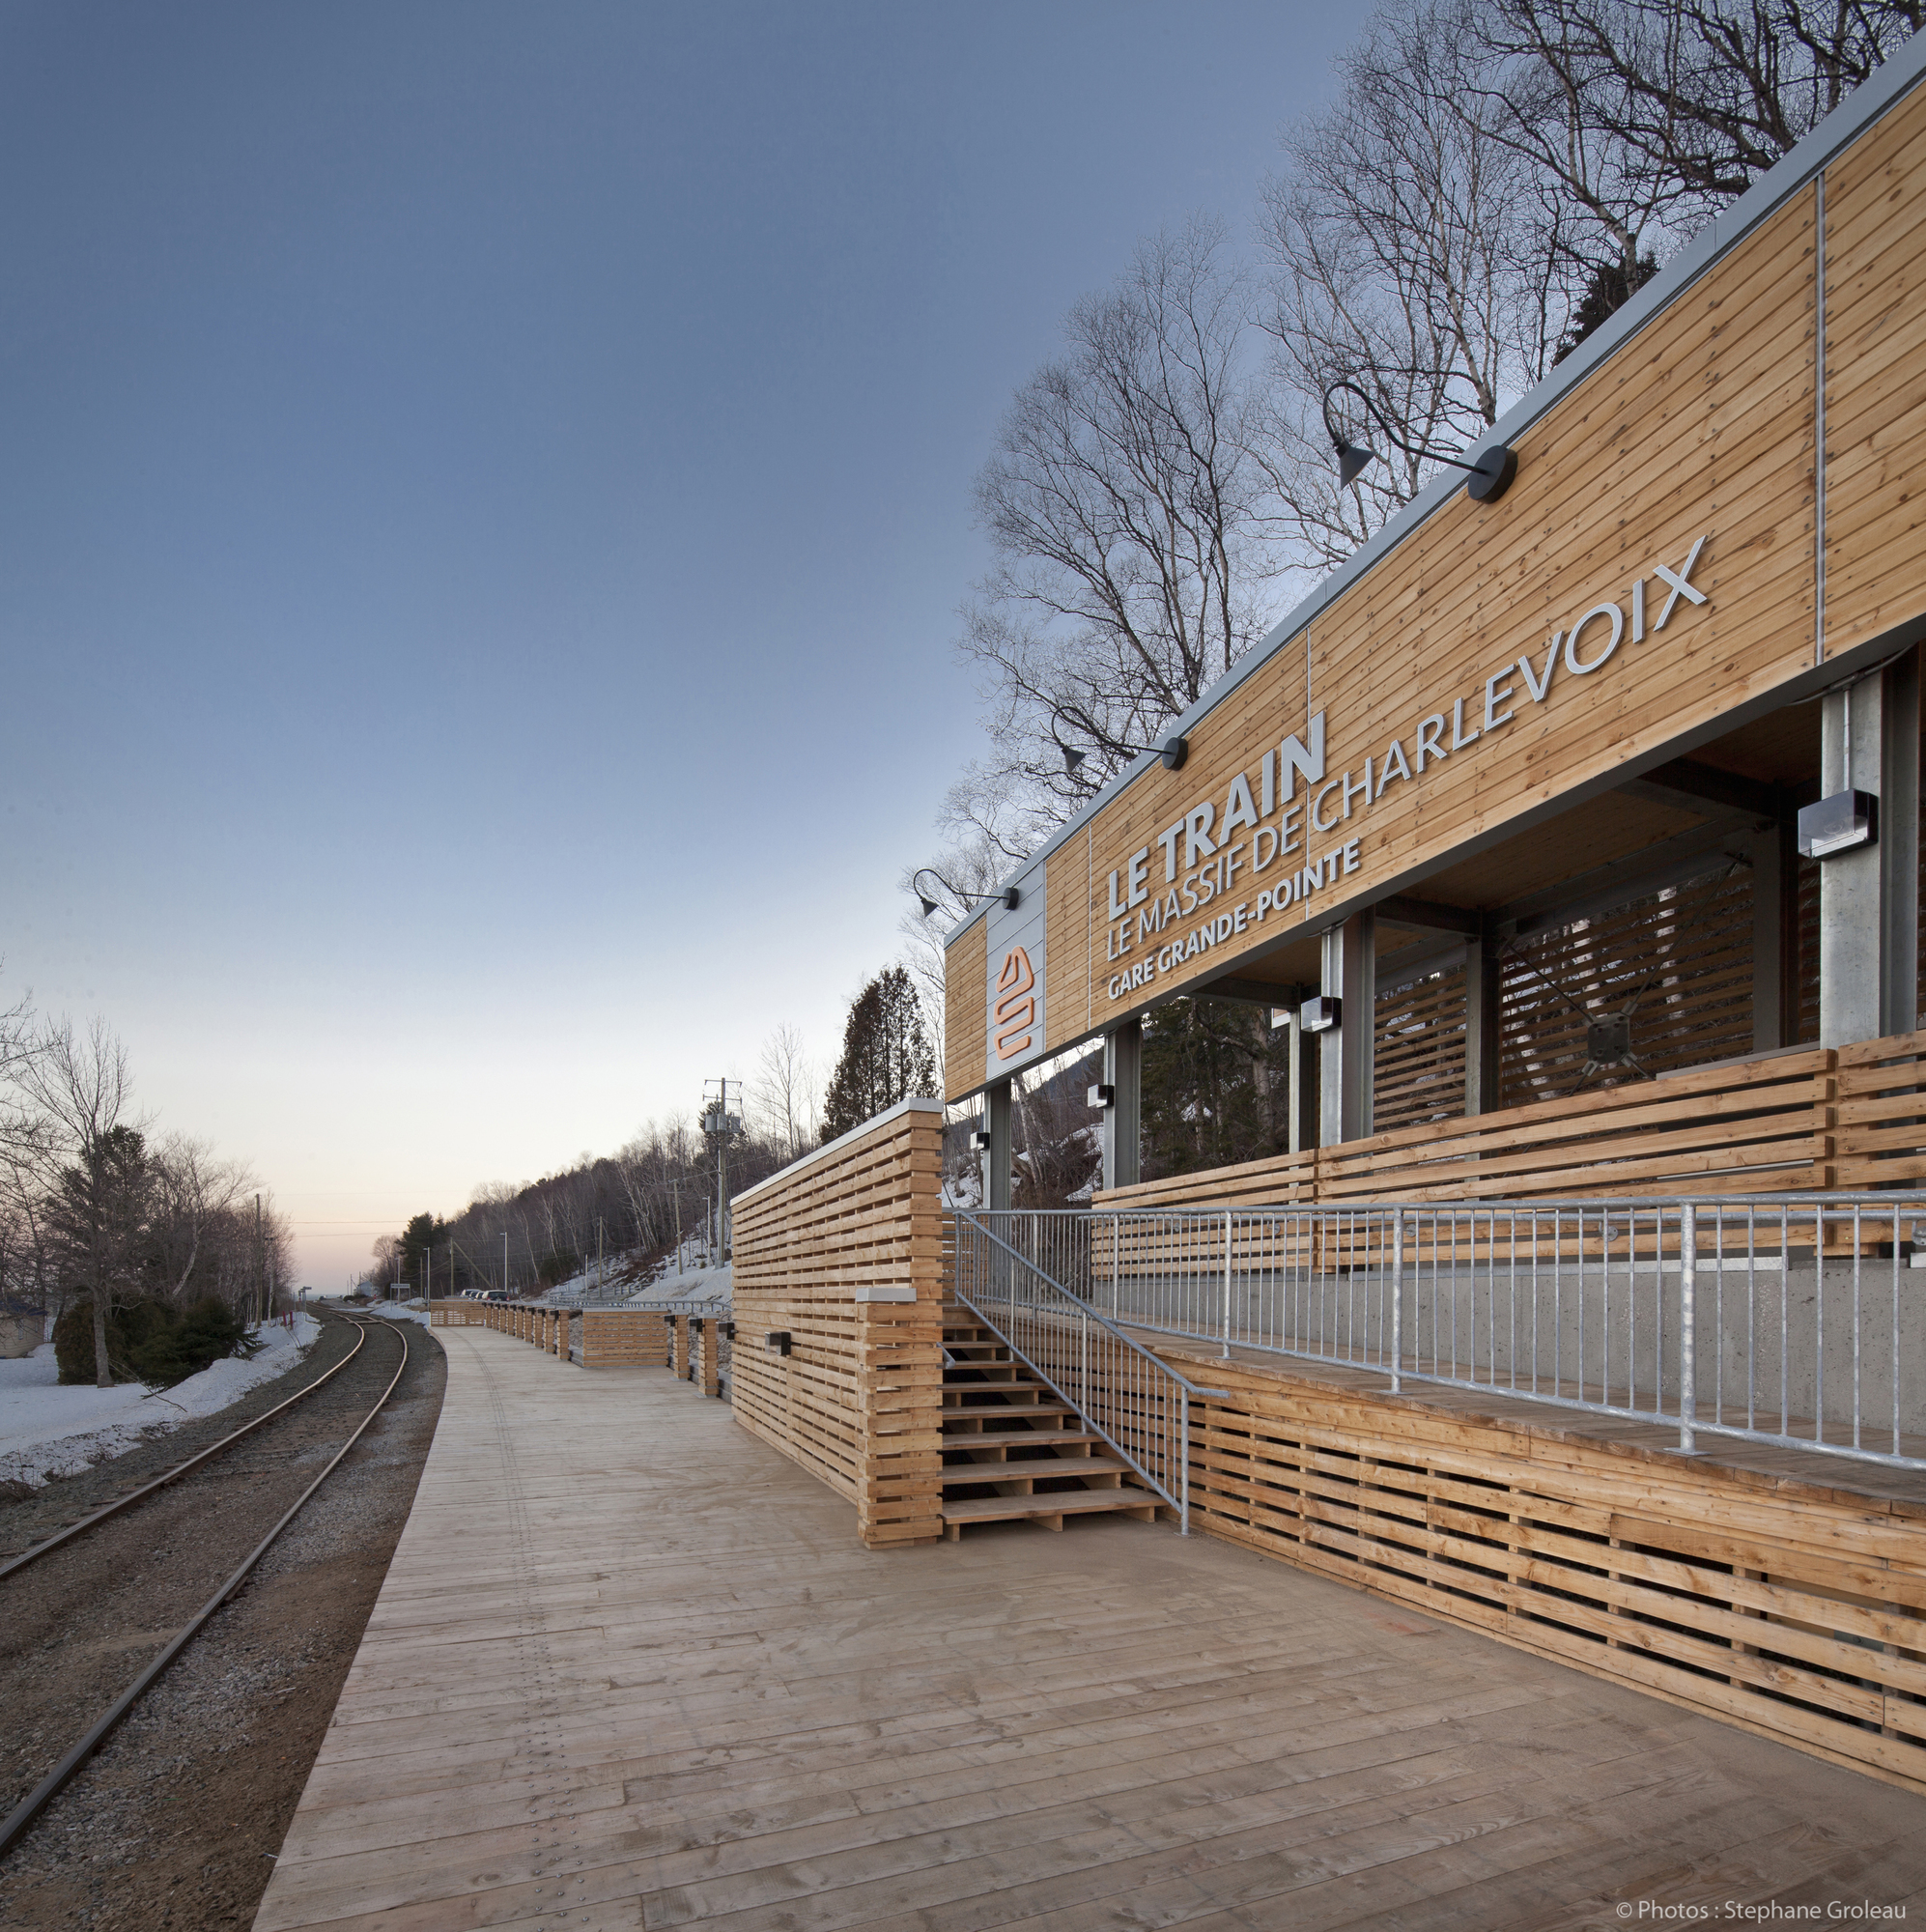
x=968, y=1439
x=1003, y=1405
x=958, y=1475
x=1049, y=1511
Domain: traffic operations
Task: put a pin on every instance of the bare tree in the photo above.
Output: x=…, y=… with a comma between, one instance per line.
x=194, y=1194
x=783, y=1095
x=80, y=1094
x=1645, y=117
x=1410, y=263
x=1130, y=572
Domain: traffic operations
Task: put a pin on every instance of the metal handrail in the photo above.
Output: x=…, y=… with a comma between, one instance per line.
x=1679, y=1309
x=1072, y=1304
x=1097, y=1314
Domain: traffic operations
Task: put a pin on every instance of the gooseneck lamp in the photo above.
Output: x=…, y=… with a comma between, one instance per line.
x=1490, y=476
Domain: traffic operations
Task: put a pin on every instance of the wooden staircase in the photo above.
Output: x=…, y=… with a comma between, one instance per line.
x=1011, y=1451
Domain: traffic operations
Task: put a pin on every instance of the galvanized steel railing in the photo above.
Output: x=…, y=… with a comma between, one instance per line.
x=1798, y=1320
x=1138, y=1403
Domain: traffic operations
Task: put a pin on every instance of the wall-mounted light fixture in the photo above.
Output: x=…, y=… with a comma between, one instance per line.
x=728, y=1330
x=1103, y=1095
x=1173, y=750
x=1009, y=894
x=1490, y=476
x=1320, y=1014
x=777, y=1341
x=980, y=1140
x=1841, y=823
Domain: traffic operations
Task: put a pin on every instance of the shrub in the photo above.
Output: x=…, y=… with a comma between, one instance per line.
x=151, y=1340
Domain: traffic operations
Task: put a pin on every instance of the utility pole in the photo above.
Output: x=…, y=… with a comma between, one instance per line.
x=258, y=1269
x=675, y=1189
x=504, y=1261
x=721, y=1127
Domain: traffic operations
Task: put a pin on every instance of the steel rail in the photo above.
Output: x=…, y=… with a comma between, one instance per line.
x=98, y=1516
x=37, y=1800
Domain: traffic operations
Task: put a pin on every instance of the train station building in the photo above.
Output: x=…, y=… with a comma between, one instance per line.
x=1610, y=780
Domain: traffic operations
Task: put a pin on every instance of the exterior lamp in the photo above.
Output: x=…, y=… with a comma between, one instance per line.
x=1009, y=894
x=1321, y=1014
x=1490, y=475
x=1173, y=750
x=1841, y=823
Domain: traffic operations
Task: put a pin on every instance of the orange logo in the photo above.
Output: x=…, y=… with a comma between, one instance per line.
x=1016, y=1004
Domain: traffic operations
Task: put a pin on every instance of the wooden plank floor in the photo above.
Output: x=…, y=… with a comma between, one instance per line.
x=632, y=1668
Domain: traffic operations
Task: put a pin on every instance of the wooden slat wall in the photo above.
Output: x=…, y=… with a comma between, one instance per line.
x=1882, y=1136
x=1067, y=965
x=1280, y=1180
x=1686, y=955
x=859, y=1399
x=1418, y=1069
x=1766, y=1127
x=1793, y=1612
x=1875, y=378
x=623, y=1338
x=966, y=997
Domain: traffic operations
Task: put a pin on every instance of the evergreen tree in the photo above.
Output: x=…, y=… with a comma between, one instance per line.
x=1215, y=1086
x=98, y=1222
x=886, y=1055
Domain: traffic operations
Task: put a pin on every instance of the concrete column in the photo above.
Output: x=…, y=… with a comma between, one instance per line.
x=1123, y=1118
x=1480, y=1023
x=1360, y=997
x=1304, y=1080
x=1869, y=898
x=1899, y=845
x=1331, y=1044
x=1775, y=933
x=999, y=1152
x=1345, y=1054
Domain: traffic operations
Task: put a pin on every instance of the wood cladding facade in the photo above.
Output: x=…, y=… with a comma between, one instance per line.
x=1703, y=423
x=858, y=1400
x=1794, y=1610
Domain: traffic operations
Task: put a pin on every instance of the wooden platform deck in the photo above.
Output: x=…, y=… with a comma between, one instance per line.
x=632, y=1668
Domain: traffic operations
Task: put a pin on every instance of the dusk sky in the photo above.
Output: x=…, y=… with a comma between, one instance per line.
x=485, y=494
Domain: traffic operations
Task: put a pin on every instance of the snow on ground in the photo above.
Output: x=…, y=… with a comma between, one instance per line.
x=696, y=1283
x=48, y=1431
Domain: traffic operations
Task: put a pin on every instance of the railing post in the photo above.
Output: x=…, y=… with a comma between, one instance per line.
x=1184, y=1462
x=1397, y=1300
x=1227, y=1284
x=1689, y=1276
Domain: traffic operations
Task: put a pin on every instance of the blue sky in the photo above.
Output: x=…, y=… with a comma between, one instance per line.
x=484, y=498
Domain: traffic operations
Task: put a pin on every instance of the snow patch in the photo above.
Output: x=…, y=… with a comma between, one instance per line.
x=48, y=1431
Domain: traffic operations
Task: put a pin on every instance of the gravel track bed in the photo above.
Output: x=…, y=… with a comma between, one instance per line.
x=26, y=1516
x=175, y=1820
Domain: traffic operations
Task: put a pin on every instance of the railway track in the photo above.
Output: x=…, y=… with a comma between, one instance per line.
x=135, y=1574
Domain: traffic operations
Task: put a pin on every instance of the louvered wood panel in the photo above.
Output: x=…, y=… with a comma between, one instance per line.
x=1418, y=1073
x=1683, y=959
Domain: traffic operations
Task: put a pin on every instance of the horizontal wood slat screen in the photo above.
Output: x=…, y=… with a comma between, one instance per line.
x=623, y=1338
x=1418, y=1064
x=1772, y=1125
x=1795, y=1611
x=1681, y=961
x=1882, y=1135
x=858, y=1401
